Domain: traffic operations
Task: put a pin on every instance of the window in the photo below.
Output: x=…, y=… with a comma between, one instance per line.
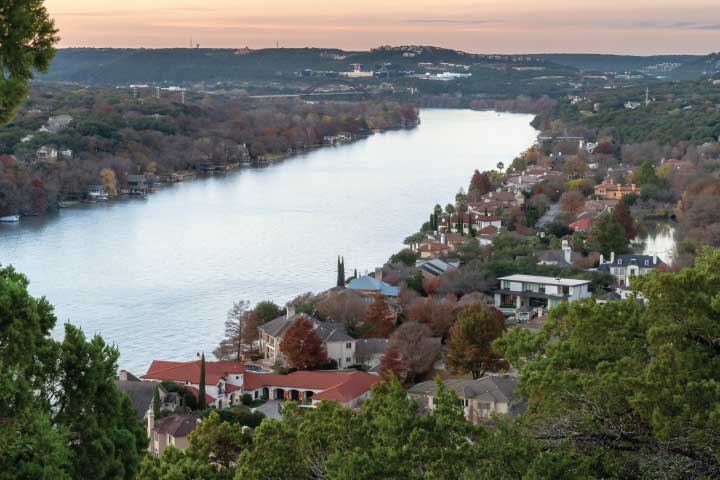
x=348, y=360
x=619, y=261
x=566, y=291
x=348, y=345
x=647, y=263
x=506, y=284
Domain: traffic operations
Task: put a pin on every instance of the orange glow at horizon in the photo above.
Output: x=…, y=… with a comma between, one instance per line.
x=511, y=26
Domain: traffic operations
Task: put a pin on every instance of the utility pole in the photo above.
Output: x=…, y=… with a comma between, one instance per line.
x=182, y=92
x=157, y=93
x=647, y=96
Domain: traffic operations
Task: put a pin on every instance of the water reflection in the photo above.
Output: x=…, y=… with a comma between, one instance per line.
x=659, y=239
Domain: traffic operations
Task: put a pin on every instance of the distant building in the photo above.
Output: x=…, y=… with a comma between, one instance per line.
x=370, y=285
x=565, y=257
x=58, y=123
x=46, y=154
x=609, y=190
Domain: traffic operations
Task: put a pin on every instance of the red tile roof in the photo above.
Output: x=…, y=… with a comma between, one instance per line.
x=229, y=387
x=338, y=386
x=489, y=230
x=190, y=371
x=584, y=223
x=433, y=247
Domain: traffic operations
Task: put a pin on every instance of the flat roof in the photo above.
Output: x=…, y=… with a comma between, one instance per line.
x=563, y=282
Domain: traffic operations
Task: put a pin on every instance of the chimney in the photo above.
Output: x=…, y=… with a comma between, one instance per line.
x=443, y=239
x=379, y=274
x=290, y=309
x=612, y=257
x=655, y=260
x=150, y=424
x=567, y=251
x=602, y=259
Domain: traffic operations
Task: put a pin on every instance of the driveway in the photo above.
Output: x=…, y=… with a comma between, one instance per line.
x=549, y=216
x=271, y=409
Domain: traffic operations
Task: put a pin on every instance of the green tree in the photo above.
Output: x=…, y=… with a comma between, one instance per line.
x=214, y=440
x=267, y=310
x=633, y=385
x=27, y=37
x=609, y=235
x=156, y=402
x=30, y=447
x=470, y=344
x=201, y=387
x=646, y=175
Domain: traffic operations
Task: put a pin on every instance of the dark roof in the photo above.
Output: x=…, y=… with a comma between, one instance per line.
x=327, y=331
x=558, y=257
x=176, y=425
x=610, y=296
x=643, y=261
x=371, y=346
x=493, y=388
x=140, y=393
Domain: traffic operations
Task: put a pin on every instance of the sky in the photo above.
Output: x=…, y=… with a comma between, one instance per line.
x=642, y=27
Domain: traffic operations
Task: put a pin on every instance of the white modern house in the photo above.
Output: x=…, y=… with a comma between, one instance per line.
x=524, y=294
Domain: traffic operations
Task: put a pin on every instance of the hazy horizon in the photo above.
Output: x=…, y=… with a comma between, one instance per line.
x=639, y=27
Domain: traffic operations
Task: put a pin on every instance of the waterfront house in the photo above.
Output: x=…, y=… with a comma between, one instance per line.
x=625, y=267
x=339, y=346
x=221, y=378
x=138, y=184
x=609, y=190
x=367, y=285
x=518, y=293
x=349, y=388
x=170, y=431
x=480, y=398
x=141, y=393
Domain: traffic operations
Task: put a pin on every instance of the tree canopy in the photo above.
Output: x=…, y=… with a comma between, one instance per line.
x=27, y=37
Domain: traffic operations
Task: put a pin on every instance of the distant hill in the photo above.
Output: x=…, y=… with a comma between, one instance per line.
x=615, y=63
x=124, y=66
x=703, y=66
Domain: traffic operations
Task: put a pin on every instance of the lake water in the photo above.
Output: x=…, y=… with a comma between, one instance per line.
x=660, y=240
x=157, y=276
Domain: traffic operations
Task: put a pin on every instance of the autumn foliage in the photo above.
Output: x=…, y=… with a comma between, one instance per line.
x=470, y=344
x=302, y=347
x=379, y=319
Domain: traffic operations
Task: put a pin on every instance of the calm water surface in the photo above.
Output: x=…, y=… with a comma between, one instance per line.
x=157, y=276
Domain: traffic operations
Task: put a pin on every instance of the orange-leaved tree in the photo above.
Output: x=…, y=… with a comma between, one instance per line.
x=379, y=319
x=302, y=346
x=470, y=344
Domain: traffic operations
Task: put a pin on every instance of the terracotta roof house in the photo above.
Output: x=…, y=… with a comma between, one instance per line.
x=583, y=224
x=217, y=376
x=481, y=398
x=338, y=344
x=346, y=388
x=170, y=431
x=433, y=250
x=609, y=190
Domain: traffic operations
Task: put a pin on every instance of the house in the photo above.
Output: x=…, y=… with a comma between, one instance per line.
x=170, y=431
x=435, y=267
x=565, y=257
x=517, y=293
x=348, y=388
x=624, y=267
x=58, y=123
x=222, y=378
x=369, y=351
x=583, y=224
x=138, y=185
x=141, y=393
x=481, y=398
x=46, y=154
x=339, y=346
x=609, y=190
x=370, y=285
x=433, y=249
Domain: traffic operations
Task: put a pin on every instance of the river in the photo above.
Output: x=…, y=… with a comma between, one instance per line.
x=157, y=276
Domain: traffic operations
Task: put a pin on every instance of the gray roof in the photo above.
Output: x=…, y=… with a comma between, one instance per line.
x=327, y=331
x=435, y=267
x=558, y=257
x=493, y=388
x=371, y=346
x=642, y=261
x=140, y=393
x=176, y=425
x=610, y=296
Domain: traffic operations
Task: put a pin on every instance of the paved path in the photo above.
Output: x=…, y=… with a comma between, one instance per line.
x=549, y=216
x=271, y=409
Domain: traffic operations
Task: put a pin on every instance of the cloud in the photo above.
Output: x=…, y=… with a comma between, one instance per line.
x=449, y=21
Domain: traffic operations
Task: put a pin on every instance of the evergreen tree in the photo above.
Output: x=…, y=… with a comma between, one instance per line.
x=156, y=402
x=27, y=36
x=201, y=395
x=340, y=281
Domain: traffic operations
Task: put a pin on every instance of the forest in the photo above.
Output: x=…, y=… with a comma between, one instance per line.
x=126, y=131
